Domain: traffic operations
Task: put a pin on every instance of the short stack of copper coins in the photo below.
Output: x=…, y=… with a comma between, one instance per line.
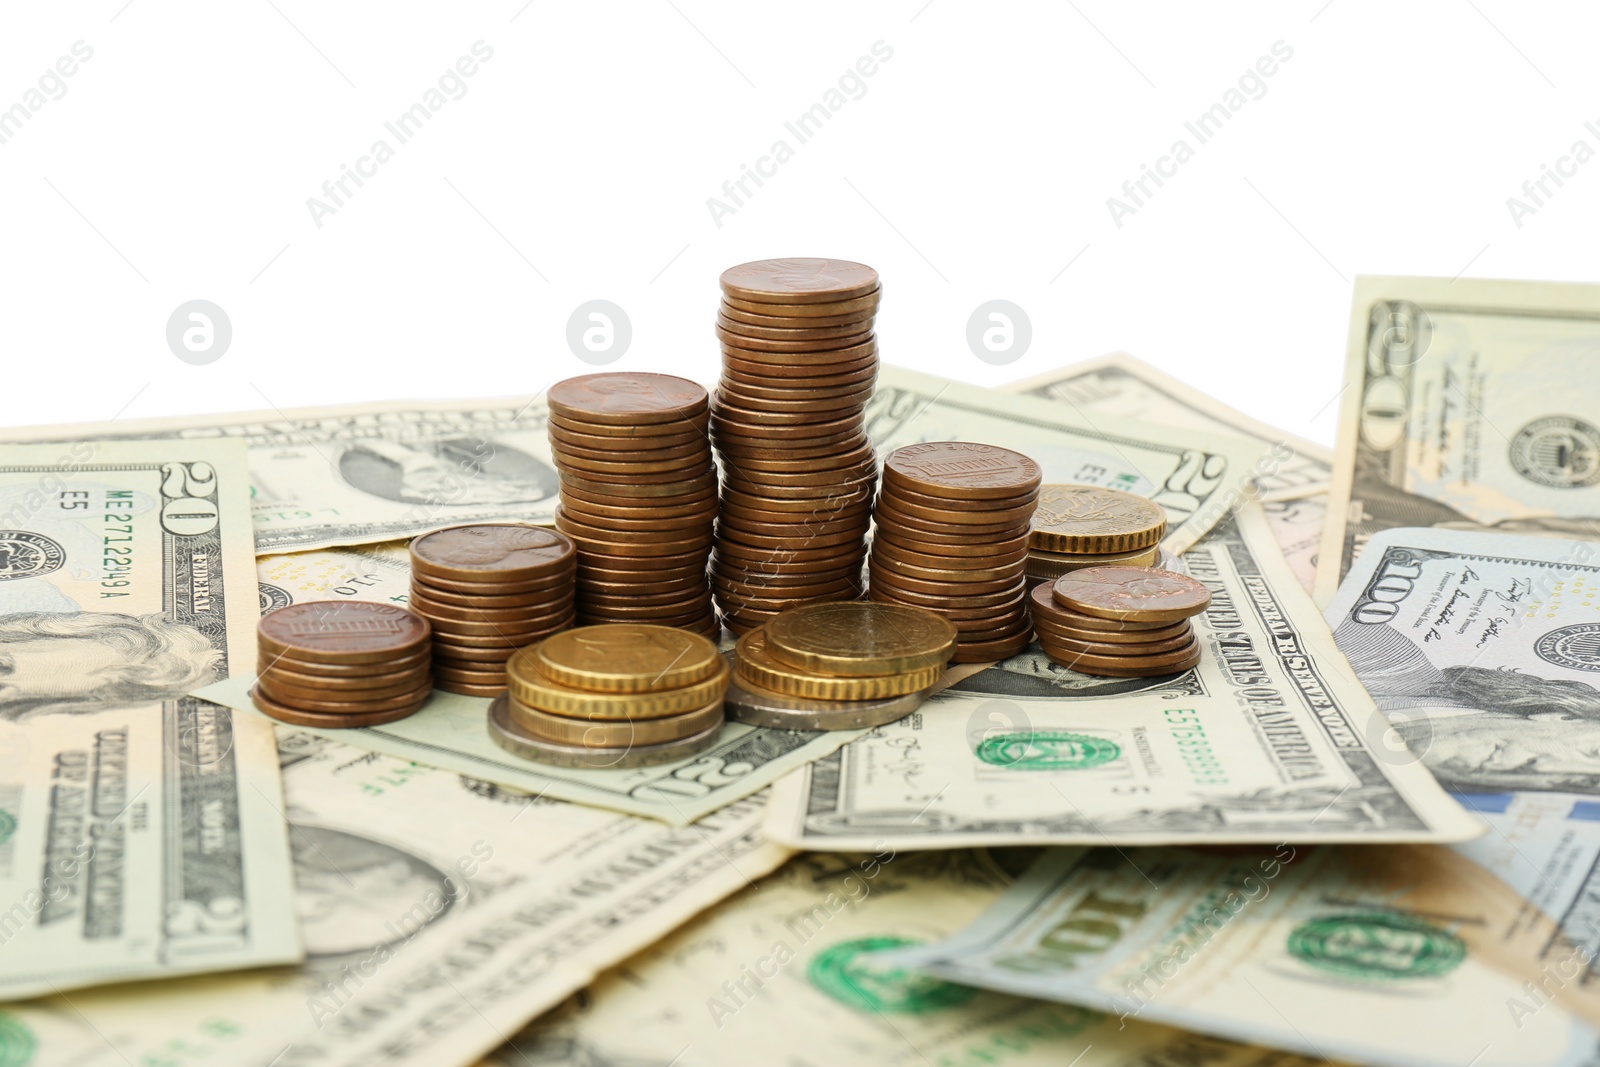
x=638, y=496
x=1078, y=526
x=341, y=663
x=612, y=696
x=488, y=590
x=1120, y=622
x=799, y=359
x=952, y=536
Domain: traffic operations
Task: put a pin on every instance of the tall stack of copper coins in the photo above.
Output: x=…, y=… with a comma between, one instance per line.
x=1121, y=622
x=488, y=590
x=341, y=663
x=1078, y=526
x=638, y=496
x=612, y=696
x=952, y=536
x=799, y=360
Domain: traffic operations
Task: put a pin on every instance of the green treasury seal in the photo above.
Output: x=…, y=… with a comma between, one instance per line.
x=17, y=1044
x=848, y=974
x=1378, y=946
x=1046, y=750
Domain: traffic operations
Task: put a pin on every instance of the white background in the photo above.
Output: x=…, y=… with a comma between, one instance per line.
x=578, y=165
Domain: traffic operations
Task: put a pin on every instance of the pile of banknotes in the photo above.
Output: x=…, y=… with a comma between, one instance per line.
x=1365, y=829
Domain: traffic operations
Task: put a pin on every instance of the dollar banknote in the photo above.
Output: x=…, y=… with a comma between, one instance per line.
x=140, y=829
x=451, y=730
x=376, y=472
x=1269, y=738
x=440, y=913
x=1484, y=651
x=1395, y=956
x=1467, y=404
x=1119, y=386
x=788, y=972
x=1297, y=526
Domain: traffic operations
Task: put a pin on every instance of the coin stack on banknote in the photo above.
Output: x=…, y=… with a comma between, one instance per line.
x=342, y=663
x=489, y=589
x=1077, y=526
x=839, y=665
x=615, y=695
x=799, y=360
x=1120, y=622
x=952, y=536
x=638, y=495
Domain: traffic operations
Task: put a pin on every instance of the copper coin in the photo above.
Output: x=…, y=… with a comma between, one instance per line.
x=827, y=501
x=732, y=535
x=790, y=332
x=888, y=515
x=694, y=603
x=1046, y=606
x=650, y=588
x=1138, y=594
x=612, y=568
x=781, y=565
x=323, y=720
x=473, y=675
x=767, y=585
x=956, y=614
x=434, y=586
x=668, y=510
x=798, y=280
x=492, y=602
x=409, y=678
x=700, y=446
x=1062, y=623
x=597, y=546
x=450, y=643
x=817, y=403
x=496, y=552
x=798, y=372
x=901, y=539
x=453, y=630
x=1075, y=661
x=669, y=504
x=738, y=320
x=626, y=398
x=598, y=601
x=883, y=590
x=903, y=496
x=975, y=516
x=644, y=595
x=642, y=534
x=606, y=579
x=565, y=440
x=1052, y=566
x=436, y=611
x=991, y=651
x=757, y=351
x=794, y=573
x=1088, y=662
x=979, y=631
x=631, y=474
x=730, y=412
x=733, y=439
x=958, y=577
x=1113, y=648
x=337, y=671
x=734, y=600
x=941, y=586
x=639, y=519
x=832, y=487
x=860, y=468
x=643, y=487
x=830, y=384
x=962, y=470
x=342, y=631
x=790, y=452
x=859, y=511
x=282, y=688
x=888, y=552
x=274, y=692
x=477, y=659
x=789, y=309
x=669, y=431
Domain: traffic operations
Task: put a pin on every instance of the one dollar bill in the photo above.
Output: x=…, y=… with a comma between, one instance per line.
x=140, y=828
x=1467, y=405
x=1269, y=738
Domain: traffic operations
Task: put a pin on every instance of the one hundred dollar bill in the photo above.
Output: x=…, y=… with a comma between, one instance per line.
x=1120, y=386
x=1467, y=405
x=1269, y=738
x=140, y=828
x=440, y=914
x=789, y=972
x=1484, y=651
x=451, y=730
x=1408, y=956
x=368, y=473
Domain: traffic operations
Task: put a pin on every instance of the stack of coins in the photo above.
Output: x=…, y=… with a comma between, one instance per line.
x=618, y=695
x=798, y=364
x=489, y=590
x=338, y=663
x=638, y=495
x=1121, y=622
x=952, y=537
x=838, y=666
x=1077, y=526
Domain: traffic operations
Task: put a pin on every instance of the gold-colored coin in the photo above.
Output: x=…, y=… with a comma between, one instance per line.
x=857, y=638
x=1088, y=518
x=565, y=730
x=625, y=658
x=528, y=686
x=1055, y=564
x=761, y=667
